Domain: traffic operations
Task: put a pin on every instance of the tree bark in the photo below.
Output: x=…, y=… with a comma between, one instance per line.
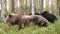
x=13, y=11
x=19, y=6
x=32, y=7
x=41, y=5
x=3, y=7
x=47, y=5
x=58, y=7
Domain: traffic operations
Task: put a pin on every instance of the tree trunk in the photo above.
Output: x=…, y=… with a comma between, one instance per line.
x=50, y=5
x=3, y=7
x=58, y=7
x=47, y=5
x=41, y=5
x=32, y=7
x=19, y=6
x=13, y=11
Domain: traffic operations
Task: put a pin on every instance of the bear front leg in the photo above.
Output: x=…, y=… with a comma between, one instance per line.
x=19, y=24
x=26, y=24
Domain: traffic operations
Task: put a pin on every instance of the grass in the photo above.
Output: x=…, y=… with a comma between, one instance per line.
x=51, y=29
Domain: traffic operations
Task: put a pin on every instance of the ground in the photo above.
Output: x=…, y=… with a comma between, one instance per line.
x=51, y=29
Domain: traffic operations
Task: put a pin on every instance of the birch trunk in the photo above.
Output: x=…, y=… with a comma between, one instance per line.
x=3, y=7
x=19, y=6
x=32, y=7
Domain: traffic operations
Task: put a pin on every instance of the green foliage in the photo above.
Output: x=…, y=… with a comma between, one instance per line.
x=32, y=29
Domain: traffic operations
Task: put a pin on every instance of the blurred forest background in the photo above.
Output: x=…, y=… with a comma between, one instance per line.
x=26, y=7
x=29, y=6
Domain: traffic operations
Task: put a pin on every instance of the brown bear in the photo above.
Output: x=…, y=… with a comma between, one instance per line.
x=50, y=17
x=21, y=18
x=36, y=19
x=26, y=20
x=39, y=20
x=14, y=19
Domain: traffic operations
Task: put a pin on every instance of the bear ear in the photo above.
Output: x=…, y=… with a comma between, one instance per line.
x=46, y=12
x=10, y=15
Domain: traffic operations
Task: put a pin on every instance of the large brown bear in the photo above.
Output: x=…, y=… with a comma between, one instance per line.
x=26, y=20
x=36, y=19
x=39, y=20
x=14, y=19
x=21, y=18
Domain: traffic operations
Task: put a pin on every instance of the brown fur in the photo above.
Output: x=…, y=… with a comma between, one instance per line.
x=14, y=19
x=21, y=18
x=39, y=20
x=36, y=19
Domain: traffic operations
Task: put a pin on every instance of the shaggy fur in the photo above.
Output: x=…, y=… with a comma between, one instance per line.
x=36, y=19
x=14, y=19
x=40, y=21
x=50, y=17
x=26, y=20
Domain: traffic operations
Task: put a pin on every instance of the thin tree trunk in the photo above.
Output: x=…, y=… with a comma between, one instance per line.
x=41, y=5
x=44, y=5
x=0, y=9
x=47, y=5
x=13, y=11
x=50, y=5
x=32, y=7
x=25, y=7
x=57, y=8
x=19, y=6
